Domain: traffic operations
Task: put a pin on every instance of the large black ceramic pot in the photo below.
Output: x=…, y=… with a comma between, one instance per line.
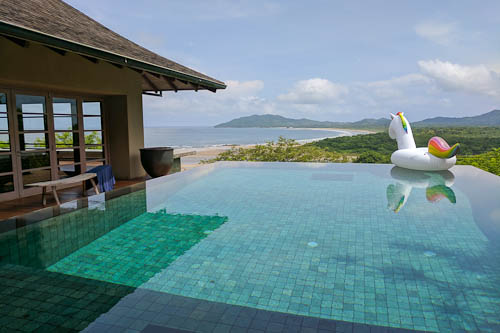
x=157, y=161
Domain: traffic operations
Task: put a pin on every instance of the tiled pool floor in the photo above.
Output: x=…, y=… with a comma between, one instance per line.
x=37, y=300
x=342, y=247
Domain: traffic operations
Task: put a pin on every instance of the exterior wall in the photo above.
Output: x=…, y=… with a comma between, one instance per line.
x=37, y=67
x=125, y=134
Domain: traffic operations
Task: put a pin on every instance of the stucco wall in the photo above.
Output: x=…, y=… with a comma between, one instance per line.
x=40, y=68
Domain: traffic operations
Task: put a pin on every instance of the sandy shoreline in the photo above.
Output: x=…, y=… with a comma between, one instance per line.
x=207, y=153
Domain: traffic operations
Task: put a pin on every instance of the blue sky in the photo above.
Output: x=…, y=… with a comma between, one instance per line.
x=324, y=60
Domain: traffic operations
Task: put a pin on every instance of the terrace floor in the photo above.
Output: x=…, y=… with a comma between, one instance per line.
x=28, y=204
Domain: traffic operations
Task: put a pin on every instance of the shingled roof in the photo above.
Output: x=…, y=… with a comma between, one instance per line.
x=58, y=25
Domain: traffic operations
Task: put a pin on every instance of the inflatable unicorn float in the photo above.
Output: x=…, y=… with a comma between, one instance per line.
x=437, y=156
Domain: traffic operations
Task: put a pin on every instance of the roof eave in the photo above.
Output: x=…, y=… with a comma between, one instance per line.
x=45, y=39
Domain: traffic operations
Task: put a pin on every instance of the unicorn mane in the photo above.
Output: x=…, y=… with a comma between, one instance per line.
x=403, y=121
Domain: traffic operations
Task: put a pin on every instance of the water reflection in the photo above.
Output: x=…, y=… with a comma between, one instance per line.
x=437, y=186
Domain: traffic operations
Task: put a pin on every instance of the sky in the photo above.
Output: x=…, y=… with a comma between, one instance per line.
x=322, y=60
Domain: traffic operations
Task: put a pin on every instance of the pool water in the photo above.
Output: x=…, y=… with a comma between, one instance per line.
x=367, y=244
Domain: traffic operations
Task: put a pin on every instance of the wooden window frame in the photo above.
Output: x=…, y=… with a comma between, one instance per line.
x=15, y=152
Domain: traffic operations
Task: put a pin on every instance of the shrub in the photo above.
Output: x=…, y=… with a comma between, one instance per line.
x=489, y=161
x=372, y=157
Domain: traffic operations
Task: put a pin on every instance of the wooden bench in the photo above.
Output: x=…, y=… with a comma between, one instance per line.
x=65, y=181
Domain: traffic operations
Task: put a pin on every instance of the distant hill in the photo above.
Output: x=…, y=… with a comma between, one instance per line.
x=491, y=118
x=270, y=120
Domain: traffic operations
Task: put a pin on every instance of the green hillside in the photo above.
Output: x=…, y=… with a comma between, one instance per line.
x=269, y=120
x=491, y=118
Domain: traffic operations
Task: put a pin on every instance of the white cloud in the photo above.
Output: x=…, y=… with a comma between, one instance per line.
x=438, y=89
x=238, y=89
x=238, y=99
x=454, y=77
x=314, y=91
x=394, y=87
x=437, y=32
x=495, y=67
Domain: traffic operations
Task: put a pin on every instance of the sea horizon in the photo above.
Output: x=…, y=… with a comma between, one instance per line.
x=210, y=136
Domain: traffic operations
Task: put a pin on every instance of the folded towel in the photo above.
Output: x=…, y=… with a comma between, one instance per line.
x=105, y=178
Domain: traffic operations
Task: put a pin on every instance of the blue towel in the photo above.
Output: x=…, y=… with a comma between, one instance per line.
x=105, y=178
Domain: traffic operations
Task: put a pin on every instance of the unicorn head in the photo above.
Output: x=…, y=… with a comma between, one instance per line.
x=400, y=130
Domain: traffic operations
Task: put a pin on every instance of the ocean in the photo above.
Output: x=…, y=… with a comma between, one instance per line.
x=201, y=137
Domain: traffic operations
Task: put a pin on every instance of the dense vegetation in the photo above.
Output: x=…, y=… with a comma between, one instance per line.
x=284, y=150
x=489, y=161
x=271, y=120
x=480, y=146
x=473, y=140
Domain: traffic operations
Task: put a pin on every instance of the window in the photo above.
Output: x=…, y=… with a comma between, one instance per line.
x=33, y=138
x=45, y=137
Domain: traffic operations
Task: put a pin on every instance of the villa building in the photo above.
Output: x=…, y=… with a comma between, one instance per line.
x=71, y=95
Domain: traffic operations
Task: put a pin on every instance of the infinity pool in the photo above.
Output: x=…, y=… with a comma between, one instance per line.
x=338, y=245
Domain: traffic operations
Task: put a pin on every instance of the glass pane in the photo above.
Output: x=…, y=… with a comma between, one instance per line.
x=69, y=170
x=31, y=112
x=5, y=163
x=92, y=123
x=36, y=176
x=32, y=122
x=67, y=139
x=91, y=108
x=94, y=153
x=64, y=106
x=35, y=160
x=31, y=141
x=4, y=121
x=30, y=104
x=4, y=142
x=93, y=138
x=6, y=184
x=68, y=156
x=65, y=123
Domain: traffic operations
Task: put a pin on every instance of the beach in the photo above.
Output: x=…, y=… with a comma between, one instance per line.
x=206, y=153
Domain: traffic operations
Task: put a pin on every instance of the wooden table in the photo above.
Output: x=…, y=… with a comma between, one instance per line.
x=65, y=181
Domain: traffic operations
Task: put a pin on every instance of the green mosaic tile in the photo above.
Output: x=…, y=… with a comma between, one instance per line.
x=273, y=238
